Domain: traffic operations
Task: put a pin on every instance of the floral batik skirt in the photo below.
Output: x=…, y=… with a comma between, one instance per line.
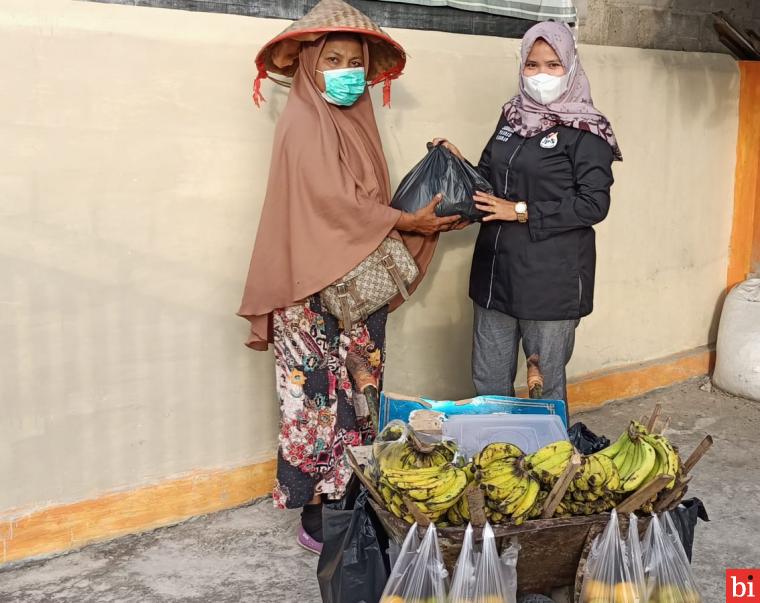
x=321, y=412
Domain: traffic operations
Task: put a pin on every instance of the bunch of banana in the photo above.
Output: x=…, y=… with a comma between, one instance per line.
x=641, y=457
x=596, y=477
x=592, y=490
x=634, y=458
x=548, y=463
x=510, y=490
x=568, y=507
x=668, y=462
x=497, y=451
x=404, y=455
x=433, y=490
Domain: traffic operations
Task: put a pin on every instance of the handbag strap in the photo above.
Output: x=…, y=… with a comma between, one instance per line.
x=345, y=309
x=393, y=270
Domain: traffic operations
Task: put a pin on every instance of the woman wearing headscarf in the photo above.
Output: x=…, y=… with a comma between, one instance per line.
x=326, y=210
x=549, y=162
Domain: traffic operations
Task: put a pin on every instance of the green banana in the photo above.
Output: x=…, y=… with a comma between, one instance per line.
x=630, y=460
x=613, y=449
x=647, y=457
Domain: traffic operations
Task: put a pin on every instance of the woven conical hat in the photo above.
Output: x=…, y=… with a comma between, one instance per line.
x=280, y=55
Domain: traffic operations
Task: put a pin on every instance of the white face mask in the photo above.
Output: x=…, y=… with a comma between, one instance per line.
x=544, y=88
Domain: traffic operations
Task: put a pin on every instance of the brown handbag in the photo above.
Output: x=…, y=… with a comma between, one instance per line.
x=382, y=275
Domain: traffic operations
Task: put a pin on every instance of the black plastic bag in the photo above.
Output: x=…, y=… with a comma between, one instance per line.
x=442, y=172
x=353, y=566
x=585, y=440
x=685, y=518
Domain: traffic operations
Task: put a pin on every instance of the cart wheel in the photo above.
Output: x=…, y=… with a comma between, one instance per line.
x=533, y=598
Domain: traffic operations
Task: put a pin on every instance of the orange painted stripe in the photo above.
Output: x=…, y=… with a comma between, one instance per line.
x=72, y=526
x=67, y=527
x=595, y=389
x=744, y=254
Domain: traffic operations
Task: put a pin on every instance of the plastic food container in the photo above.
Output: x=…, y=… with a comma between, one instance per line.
x=529, y=432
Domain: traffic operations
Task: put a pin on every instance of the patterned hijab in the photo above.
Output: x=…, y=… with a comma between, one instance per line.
x=574, y=109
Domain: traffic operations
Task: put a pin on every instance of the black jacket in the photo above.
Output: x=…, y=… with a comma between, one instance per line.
x=543, y=269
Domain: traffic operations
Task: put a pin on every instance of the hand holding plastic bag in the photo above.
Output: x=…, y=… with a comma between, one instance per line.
x=607, y=577
x=440, y=171
x=668, y=573
x=419, y=575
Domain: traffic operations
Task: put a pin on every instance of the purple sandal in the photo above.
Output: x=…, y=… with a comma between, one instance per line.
x=307, y=542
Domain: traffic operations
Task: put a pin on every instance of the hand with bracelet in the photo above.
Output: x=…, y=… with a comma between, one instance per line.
x=497, y=208
x=501, y=209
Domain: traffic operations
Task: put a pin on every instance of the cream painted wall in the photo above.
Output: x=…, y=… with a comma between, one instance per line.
x=132, y=171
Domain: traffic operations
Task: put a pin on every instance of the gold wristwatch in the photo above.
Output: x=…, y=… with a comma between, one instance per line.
x=521, y=209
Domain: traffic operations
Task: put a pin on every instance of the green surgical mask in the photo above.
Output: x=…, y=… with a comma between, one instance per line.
x=343, y=87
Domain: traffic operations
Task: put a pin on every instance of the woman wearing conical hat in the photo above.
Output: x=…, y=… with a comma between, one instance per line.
x=326, y=209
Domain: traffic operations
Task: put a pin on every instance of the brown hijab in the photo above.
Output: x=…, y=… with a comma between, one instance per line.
x=327, y=202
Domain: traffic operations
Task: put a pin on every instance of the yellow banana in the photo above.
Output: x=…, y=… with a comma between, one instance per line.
x=452, y=494
x=410, y=472
x=498, y=470
x=612, y=480
x=446, y=482
x=413, y=482
x=496, y=451
x=538, y=506
x=504, y=499
x=555, y=465
x=497, y=517
x=524, y=505
x=395, y=509
x=668, y=458
x=454, y=516
x=540, y=456
x=463, y=506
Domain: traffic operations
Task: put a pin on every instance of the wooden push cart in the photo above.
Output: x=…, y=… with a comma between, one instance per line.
x=553, y=550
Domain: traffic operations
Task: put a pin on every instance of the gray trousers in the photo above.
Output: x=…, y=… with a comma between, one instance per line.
x=496, y=337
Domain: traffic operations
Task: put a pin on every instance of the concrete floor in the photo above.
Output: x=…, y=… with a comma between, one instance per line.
x=249, y=554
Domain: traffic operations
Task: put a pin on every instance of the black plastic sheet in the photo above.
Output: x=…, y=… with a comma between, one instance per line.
x=585, y=440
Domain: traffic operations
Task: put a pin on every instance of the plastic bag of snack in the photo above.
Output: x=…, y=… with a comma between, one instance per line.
x=419, y=575
x=668, y=574
x=607, y=577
